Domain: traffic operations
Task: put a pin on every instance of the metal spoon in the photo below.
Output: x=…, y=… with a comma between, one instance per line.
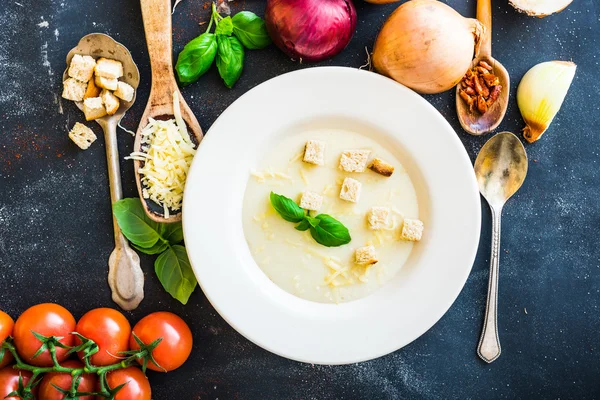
x=500, y=169
x=473, y=122
x=156, y=15
x=125, y=276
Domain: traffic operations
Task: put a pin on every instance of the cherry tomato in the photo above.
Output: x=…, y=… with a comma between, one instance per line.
x=64, y=381
x=48, y=320
x=9, y=382
x=6, y=329
x=176, y=344
x=137, y=387
x=109, y=329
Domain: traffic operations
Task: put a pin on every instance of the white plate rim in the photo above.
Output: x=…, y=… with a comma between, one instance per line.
x=210, y=251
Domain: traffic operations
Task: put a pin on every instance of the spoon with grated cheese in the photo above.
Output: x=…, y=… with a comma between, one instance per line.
x=169, y=133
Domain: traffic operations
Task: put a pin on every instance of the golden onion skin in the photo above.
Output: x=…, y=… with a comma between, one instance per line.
x=426, y=45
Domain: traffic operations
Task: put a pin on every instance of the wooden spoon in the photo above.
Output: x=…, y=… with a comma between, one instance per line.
x=157, y=25
x=125, y=276
x=473, y=122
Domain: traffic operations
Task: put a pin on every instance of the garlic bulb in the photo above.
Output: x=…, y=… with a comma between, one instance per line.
x=541, y=93
x=539, y=8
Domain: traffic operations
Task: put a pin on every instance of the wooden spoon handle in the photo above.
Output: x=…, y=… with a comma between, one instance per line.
x=157, y=25
x=484, y=15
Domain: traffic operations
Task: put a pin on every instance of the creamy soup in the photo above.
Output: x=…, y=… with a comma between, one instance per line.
x=292, y=259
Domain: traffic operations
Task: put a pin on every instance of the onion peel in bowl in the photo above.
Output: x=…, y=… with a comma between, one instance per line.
x=427, y=46
x=539, y=8
x=310, y=30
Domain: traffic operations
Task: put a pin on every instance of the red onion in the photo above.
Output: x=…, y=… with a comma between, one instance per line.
x=311, y=30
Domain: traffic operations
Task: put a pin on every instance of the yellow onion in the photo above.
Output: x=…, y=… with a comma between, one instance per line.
x=426, y=45
x=539, y=8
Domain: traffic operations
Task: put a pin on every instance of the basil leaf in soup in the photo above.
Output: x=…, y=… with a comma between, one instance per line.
x=287, y=208
x=330, y=232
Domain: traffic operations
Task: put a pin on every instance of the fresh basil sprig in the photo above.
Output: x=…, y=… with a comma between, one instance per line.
x=172, y=265
x=226, y=44
x=325, y=229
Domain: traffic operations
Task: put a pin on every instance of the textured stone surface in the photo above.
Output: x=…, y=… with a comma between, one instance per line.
x=55, y=232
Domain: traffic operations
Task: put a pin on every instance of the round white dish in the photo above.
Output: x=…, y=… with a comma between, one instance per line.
x=407, y=306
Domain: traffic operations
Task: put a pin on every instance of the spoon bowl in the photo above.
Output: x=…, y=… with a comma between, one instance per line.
x=125, y=276
x=471, y=121
x=157, y=25
x=500, y=169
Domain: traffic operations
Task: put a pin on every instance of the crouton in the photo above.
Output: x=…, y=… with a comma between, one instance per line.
x=106, y=68
x=311, y=201
x=111, y=102
x=106, y=83
x=73, y=89
x=378, y=217
x=92, y=90
x=354, y=160
x=82, y=136
x=412, y=230
x=82, y=68
x=365, y=256
x=93, y=108
x=350, y=190
x=381, y=167
x=314, y=152
x=124, y=91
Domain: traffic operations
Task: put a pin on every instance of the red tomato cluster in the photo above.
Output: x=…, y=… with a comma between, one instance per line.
x=113, y=335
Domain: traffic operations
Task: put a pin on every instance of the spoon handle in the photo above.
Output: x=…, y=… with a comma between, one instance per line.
x=489, y=343
x=125, y=276
x=484, y=15
x=157, y=26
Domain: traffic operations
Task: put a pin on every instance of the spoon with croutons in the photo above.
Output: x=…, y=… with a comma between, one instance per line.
x=101, y=78
x=169, y=133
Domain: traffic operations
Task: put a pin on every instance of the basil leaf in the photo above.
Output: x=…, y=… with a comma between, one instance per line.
x=172, y=233
x=158, y=247
x=287, y=208
x=196, y=58
x=175, y=273
x=304, y=225
x=230, y=59
x=135, y=224
x=250, y=29
x=330, y=232
x=224, y=27
x=313, y=221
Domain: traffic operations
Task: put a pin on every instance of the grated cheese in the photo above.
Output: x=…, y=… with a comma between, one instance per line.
x=167, y=155
x=297, y=157
x=303, y=176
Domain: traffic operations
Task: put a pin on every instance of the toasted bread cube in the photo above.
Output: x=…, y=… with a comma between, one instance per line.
x=111, y=102
x=82, y=67
x=350, y=190
x=365, y=256
x=124, y=91
x=73, y=89
x=107, y=68
x=106, y=83
x=354, y=160
x=378, y=217
x=311, y=201
x=92, y=90
x=412, y=230
x=93, y=108
x=314, y=152
x=381, y=167
x=82, y=136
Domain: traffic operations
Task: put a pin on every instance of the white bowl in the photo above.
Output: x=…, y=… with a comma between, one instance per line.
x=404, y=308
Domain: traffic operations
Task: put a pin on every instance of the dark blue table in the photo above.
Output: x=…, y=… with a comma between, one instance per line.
x=55, y=231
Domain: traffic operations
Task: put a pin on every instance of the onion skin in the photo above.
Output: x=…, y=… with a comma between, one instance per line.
x=539, y=8
x=427, y=46
x=310, y=30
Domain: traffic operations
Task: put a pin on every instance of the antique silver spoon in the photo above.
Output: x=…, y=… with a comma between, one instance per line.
x=500, y=169
x=125, y=276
